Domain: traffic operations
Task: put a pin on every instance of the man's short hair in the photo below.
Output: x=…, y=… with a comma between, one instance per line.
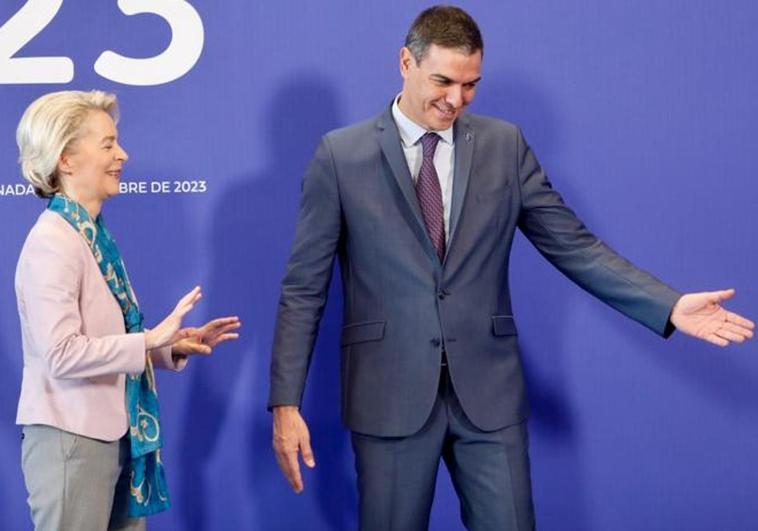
x=445, y=26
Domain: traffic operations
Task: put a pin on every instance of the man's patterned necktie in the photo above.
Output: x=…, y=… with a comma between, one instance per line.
x=429, y=195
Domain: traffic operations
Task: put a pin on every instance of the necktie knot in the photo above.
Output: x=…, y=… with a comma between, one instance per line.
x=429, y=145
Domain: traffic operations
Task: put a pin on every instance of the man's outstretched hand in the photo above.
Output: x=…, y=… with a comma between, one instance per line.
x=701, y=315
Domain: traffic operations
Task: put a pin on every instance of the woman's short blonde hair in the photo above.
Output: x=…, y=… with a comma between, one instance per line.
x=48, y=128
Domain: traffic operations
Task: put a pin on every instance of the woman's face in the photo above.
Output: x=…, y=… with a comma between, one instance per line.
x=91, y=166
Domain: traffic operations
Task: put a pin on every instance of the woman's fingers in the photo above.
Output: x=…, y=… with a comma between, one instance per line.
x=186, y=303
x=221, y=325
x=211, y=333
x=215, y=329
x=227, y=328
x=223, y=321
x=225, y=337
x=201, y=348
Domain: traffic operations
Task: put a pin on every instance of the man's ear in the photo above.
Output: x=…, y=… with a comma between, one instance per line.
x=405, y=60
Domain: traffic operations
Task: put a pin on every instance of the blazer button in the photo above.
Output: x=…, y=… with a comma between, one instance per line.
x=436, y=342
x=441, y=295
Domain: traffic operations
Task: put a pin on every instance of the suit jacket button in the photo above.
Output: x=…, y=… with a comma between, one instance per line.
x=436, y=342
x=441, y=295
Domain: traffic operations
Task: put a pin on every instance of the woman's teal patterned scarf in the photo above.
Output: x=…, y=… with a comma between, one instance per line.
x=147, y=488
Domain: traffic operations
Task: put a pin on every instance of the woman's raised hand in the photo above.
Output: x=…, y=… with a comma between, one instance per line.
x=170, y=330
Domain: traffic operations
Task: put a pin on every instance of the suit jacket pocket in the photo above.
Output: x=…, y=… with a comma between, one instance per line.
x=503, y=325
x=362, y=332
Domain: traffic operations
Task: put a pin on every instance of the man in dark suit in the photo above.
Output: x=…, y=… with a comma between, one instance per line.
x=420, y=205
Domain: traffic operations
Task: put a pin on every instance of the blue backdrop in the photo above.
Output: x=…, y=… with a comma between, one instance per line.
x=642, y=111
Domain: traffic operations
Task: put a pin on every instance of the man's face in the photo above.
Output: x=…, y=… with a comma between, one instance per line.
x=436, y=90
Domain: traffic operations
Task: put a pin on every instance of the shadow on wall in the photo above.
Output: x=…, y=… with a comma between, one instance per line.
x=253, y=225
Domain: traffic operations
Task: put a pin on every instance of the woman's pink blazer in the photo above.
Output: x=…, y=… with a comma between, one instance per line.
x=76, y=349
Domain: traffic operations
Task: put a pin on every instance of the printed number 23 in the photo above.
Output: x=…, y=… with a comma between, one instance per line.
x=187, y=37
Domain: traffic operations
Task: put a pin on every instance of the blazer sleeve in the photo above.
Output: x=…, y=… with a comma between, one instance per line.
x=50, y=276
x=162, y=358
x=306, y=282
x=561, y=237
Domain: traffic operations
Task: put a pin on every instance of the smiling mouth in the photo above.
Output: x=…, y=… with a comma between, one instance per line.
x=448, y=112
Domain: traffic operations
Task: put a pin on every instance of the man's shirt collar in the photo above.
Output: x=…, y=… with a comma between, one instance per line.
x=410, y=131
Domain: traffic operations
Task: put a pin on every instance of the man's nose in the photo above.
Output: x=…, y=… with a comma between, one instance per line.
x=454, y=96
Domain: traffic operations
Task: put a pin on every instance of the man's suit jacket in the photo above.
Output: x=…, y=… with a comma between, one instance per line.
x=402, y=307
x=76, y=349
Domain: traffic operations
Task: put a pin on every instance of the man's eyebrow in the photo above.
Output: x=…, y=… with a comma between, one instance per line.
x=440, y=77
x=445, y=79
x=109, y=138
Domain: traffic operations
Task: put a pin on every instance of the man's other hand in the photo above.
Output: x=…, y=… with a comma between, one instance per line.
x=291, y=437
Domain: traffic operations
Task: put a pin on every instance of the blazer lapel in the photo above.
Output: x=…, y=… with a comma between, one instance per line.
x=389, y=140
x=464, y=150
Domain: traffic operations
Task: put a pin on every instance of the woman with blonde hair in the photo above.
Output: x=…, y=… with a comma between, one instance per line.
x=88, y=404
